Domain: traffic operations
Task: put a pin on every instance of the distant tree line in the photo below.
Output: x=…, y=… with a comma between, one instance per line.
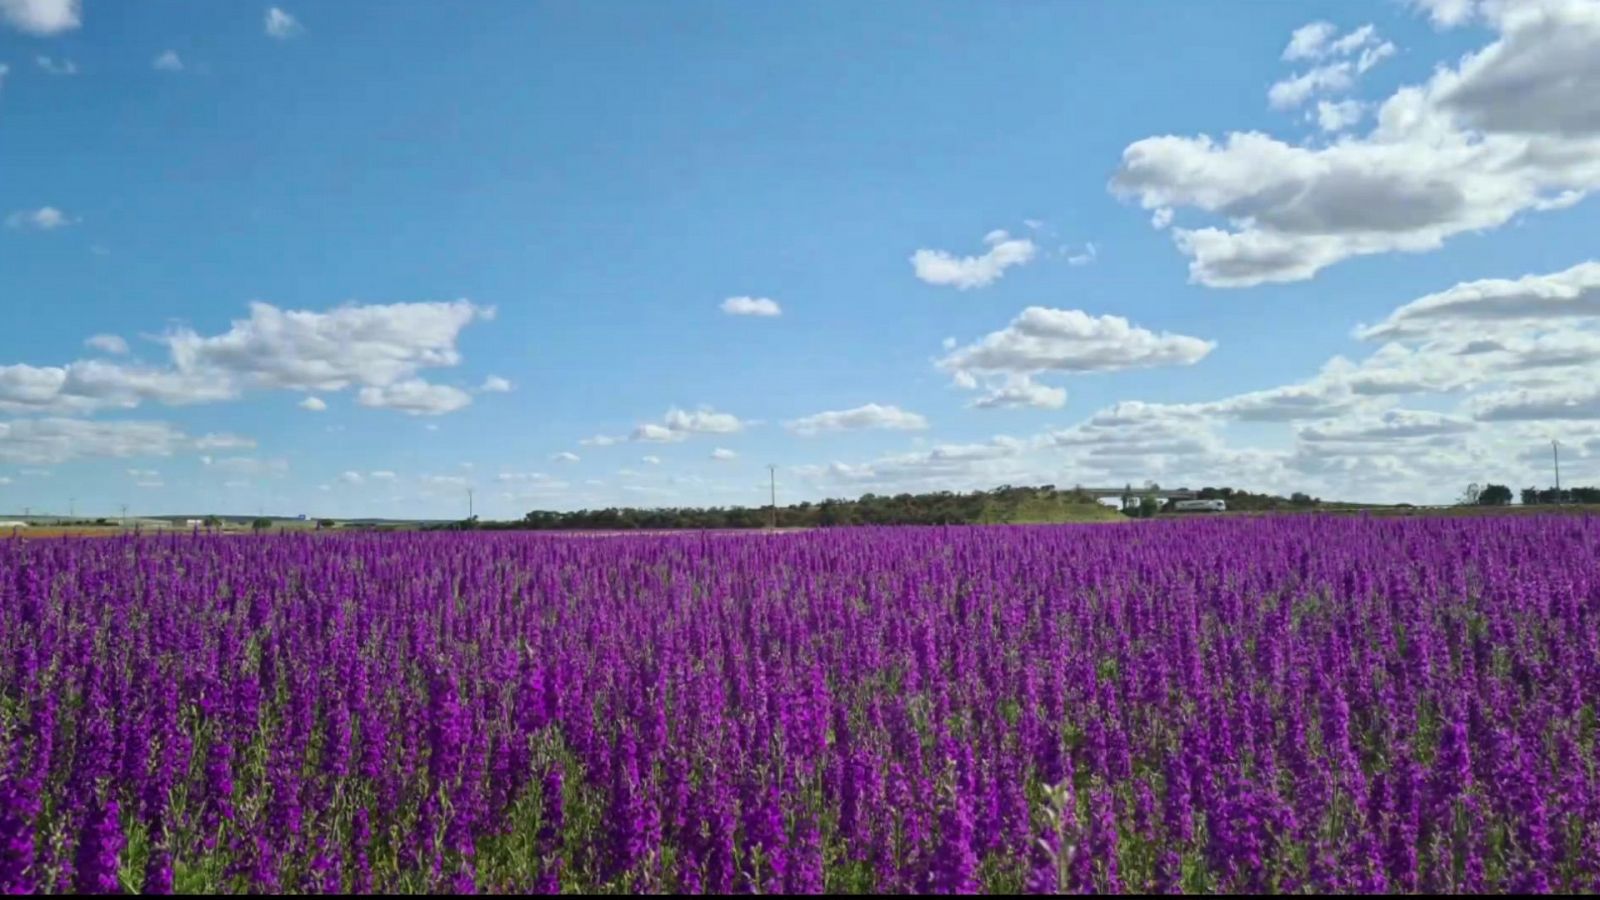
x=1007, y=503
x=1002, y=504
x=1501, y=495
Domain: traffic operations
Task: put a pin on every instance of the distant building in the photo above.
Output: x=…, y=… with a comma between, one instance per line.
x=13, y=524
x=1200, y=506
x=193, y=523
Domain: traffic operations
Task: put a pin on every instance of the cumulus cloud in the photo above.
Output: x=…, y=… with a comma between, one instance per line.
x=871, y=415
x=415, y=397
x=751, y=306
x=1316, y=42
x=376, y=345
x=1392, y=425
x=56, y=440
x=108, y=343
x=1572, y=401
x=1447, y=13
x=42, y=17
x=941, y=268
x=1337, y=116
x=1069, y=340
x=1468, y=308
x=169, y=61
x=651, y=460
x=352, y=478
x=494, y=384
x=313, y=404
x=1309, y=41
x=281, y=25
x=679, y=424
x=942, y=467
x=1292, y=92
x=1514, y=127
x=45, y=218
x=378, y=348
x=1021, y=391
x=724, y=455
x=600, y=440
x=565, y=456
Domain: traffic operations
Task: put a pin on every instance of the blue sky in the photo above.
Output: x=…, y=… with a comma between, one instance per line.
x=1006, y=242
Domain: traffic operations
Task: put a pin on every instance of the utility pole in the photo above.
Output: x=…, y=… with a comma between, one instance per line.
x=72, y=508
x=1555, y=452
x=124, y=515
x=772, y=474
x=469, y=504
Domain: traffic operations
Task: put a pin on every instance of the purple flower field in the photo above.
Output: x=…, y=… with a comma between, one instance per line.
x=1295, y=704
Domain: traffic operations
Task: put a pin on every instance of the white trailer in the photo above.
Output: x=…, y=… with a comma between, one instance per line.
x=1201, y=506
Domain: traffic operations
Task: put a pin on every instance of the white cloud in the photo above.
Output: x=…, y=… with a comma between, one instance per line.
x=651, y=460
x=168, y=62
x=52, y=441
x=42, y=17
x=377, y=345
x=941, y=268
x=108, y=343
x=382, y=475
x=1292, y=92
x=352, y=478
x=1470, y=307
x=1309, y=41
x=45, y=218
x=565, y=456
x=248, y=466
x=4, y=71
x=943, y=467
x=1338, y=116
x=415, y=397
x=1576, y=401
x=751, y=306
x=600, y=440
x=1395, y=424
x=872, y=415
x=1017, y=390
x=678, y=425
x=56, y=66
x=144, y=474
x=494, y=384
x=445, y=481
x=522, y=477
x=280, y=24
x=314, y=404
x=224, y=441
x=1083, y=257
x=1315, y=42
x=1514, y=127
x=1070, y=340
x=378, y=348
x=1447, y=13
x=723, y=455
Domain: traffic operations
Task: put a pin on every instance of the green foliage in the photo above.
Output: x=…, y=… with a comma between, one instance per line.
x=260, y=525
x=1003, y=505
x=1494, y=495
